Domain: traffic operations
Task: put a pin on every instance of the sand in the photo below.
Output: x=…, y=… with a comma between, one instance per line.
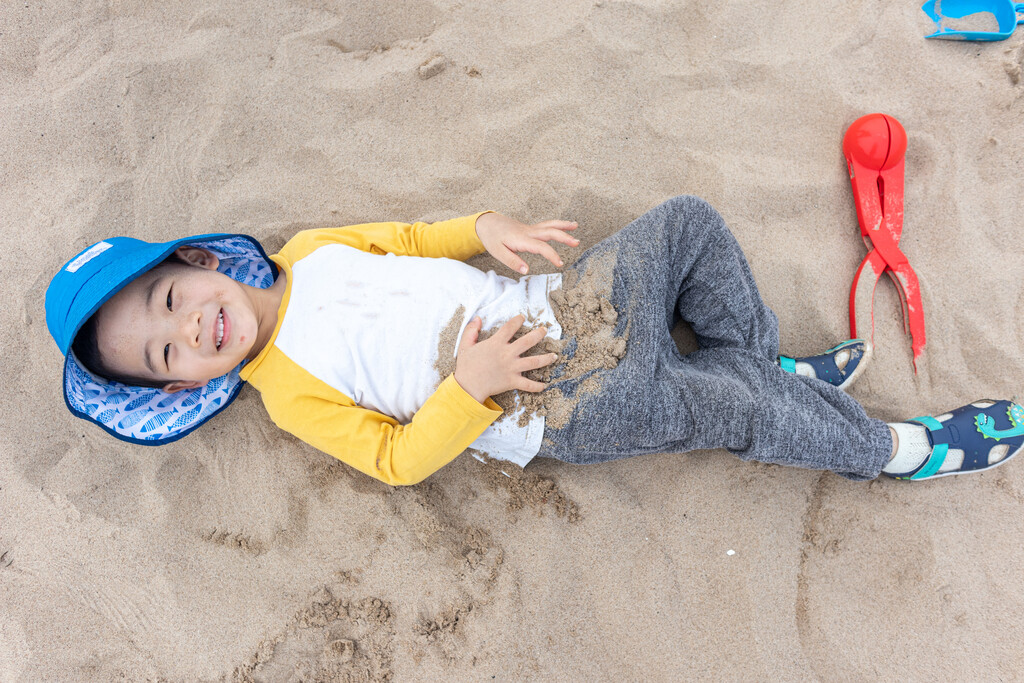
x=239, y=553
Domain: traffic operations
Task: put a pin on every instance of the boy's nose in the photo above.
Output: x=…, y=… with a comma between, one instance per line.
x=191, y=327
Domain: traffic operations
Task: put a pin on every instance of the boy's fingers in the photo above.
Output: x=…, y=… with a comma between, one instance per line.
x=538, y=361
x=509, y=258
x=535, y=245
x=549, y=253
x=556, y=235
x=529, y=340
x=471, y=333
x=524, y=384
x=545, y=250
x=506, y=331
x=560, y=224
x=515, y=322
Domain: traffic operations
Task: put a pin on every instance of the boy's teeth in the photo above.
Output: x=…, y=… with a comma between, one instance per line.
x=220, y=328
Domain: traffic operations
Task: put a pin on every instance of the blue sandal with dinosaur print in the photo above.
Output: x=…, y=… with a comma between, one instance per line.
x=824, y=365
x=973, y=438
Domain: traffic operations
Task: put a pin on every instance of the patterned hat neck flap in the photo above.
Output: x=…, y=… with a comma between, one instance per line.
x=153, y=416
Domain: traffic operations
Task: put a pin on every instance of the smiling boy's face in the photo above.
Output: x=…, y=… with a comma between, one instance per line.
x=178, y=324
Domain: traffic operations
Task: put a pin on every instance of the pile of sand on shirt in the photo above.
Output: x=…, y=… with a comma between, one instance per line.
x=583, y=309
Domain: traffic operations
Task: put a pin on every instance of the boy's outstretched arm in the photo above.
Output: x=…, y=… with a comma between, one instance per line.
x=455, y=238
x=458, y=238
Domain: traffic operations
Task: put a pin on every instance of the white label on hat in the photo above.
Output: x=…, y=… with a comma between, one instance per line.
x=88, y=255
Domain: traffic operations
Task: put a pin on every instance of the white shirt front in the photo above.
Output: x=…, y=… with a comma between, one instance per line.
x=369, y=325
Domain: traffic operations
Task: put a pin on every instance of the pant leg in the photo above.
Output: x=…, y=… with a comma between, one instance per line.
x=679, y=259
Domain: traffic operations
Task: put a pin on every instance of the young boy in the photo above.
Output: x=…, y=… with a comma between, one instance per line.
x=339, y=332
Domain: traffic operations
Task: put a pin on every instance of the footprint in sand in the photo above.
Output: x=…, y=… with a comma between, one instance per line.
x=332, y=639
x=443, y=630
x=431, y=517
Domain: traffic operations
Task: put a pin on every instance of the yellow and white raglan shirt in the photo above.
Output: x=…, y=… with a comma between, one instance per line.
x=350, y=367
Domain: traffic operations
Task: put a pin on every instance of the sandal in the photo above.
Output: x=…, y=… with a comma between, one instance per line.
x=960, y=439
x=824, y=366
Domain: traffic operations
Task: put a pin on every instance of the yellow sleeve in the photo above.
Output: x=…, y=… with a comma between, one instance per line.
x=375, y=444
x=455, y=239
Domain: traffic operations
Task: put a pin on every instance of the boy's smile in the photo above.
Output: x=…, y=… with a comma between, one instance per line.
x=183, y=324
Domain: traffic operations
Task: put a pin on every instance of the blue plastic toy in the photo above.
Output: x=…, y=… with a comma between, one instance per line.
x=1007, y=13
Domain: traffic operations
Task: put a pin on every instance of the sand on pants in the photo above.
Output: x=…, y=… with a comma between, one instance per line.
x=587, y=344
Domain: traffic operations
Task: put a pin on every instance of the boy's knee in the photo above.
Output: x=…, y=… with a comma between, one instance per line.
x=690, y=218
x=689, y=205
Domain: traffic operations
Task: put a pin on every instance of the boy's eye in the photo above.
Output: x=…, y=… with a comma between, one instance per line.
x=169, y=299
x=167, y=350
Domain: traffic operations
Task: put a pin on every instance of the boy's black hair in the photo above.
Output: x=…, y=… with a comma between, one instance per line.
x=87, y=349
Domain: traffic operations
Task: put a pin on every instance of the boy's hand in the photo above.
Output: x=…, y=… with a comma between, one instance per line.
x=495, y=364
x=503, y=237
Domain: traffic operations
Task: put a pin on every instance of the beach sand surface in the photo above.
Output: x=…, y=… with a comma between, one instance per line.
x=240, y=553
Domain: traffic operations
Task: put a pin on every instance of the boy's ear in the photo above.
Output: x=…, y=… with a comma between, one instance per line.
x=197, y=256
x=179, y=385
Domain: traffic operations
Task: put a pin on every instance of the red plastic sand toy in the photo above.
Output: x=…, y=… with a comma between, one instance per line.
x=874, y=147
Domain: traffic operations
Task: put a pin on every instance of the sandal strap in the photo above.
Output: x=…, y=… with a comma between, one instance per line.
x=939, y=451
x=928, y=421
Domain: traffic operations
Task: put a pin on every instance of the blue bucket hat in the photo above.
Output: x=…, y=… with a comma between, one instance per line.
x=141, y=414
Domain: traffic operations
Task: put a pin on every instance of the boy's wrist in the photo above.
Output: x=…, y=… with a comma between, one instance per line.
x=483, y=223
x=476, y=395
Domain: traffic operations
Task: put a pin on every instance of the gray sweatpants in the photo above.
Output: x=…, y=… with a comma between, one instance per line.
x=679, y=260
